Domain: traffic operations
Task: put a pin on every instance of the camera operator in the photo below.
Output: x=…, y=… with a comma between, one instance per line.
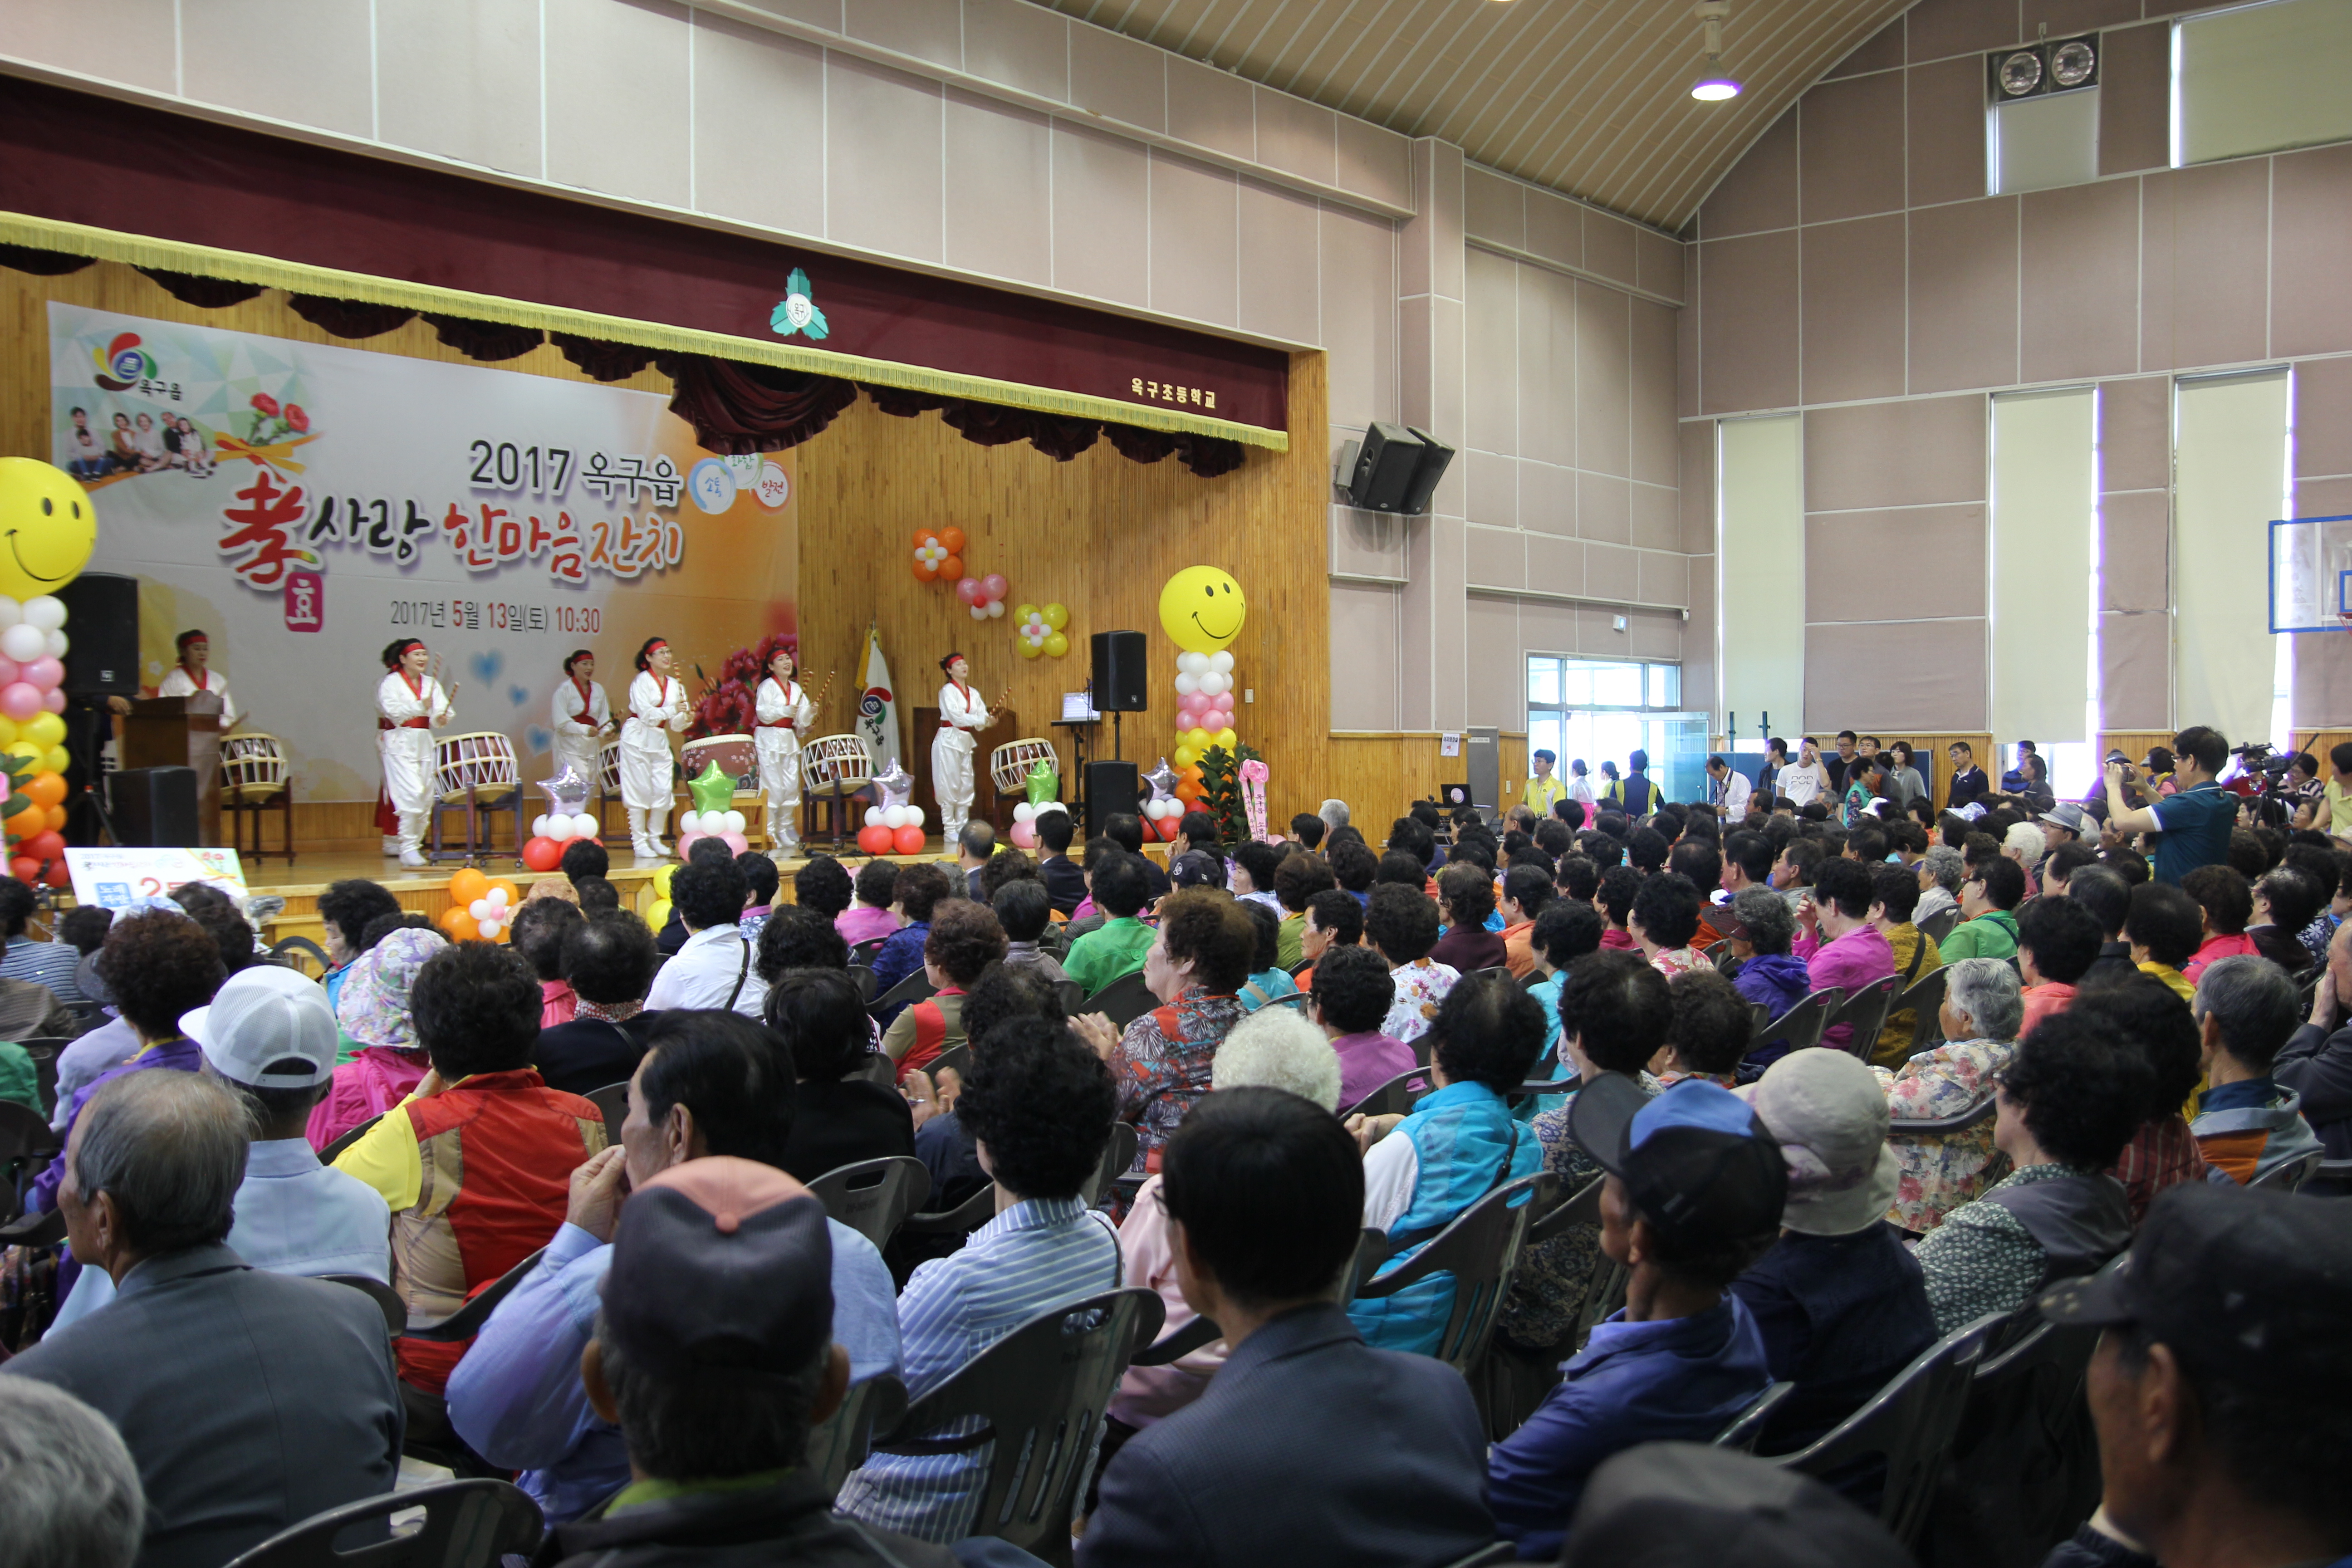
x=2195, y=821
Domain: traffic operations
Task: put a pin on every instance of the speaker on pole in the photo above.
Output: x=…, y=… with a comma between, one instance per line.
x=101, y=635
x=1118, y=684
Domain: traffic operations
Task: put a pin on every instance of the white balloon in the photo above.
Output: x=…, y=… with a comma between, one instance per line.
x=585, y=825
x=539, y=827
x=1187, y=684
x=873, y=816
x=1213, y=683
x=479, y=909
x=1192, y=663
x=11, y=612
x=979, y=612
x=995, y=610
x=46, y=611
x=497, y=897
x=1222, y=662
x=689, y=822
x=489, y=930
x=893, y=817
x=913, y=817
x=557, y=828
x=53, y=644
x=735, y=820
x=1023, y=812
x=23, y=643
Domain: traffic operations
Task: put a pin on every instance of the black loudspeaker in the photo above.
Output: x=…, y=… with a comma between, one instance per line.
x=102, y=635
x=1119, y=673
x=1396, y=470
x=155, y=808
x=1110, y=786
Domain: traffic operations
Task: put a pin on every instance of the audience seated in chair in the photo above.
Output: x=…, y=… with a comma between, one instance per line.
x=2058, y=940
x=1039, y=1105
x=475, y=1163
x=539, y=929
x=1664, y=921
x=1939, y=1171
x=760, y=885
x=1333, y=919
x=2286, y=900
x=1301, y=876
x=1894, y=895
x=608, y=962
x=2247, y=1124
x=1842, y=1306
x=1065, y=884
x=712, y=968
x=47, y=963
x=2219, y=1388
x=1696, y=1191
x=1198, y=960
x=270, y=1036
x=2315, y=1064
x=714, y=1356
x=375, y=1014
x=1458, y=1144
x=1839, y=945
x=1987, y=927
x=1117, y=946
x=1695, y=1503
x=1567, y=930
x=1350, y=1000
x=870, y=915
x=1400, y=924
x=917, y=891
x=68, y=1489
x=1712, y=1026
x=1466, y=894
x=2070, y=1099
x=250, y=1400
x=1268, y=980
x=818, y=1018
x=1024, y=909
x=1263, y=1190
x=962, y=940
x=2162, y=1152
x=942, y=1142
x=2164, y=927
x=711, y=1084
x=1277, y=1049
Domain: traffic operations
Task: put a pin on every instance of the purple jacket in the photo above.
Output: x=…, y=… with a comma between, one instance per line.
x=1367, y=1061
x=183, y=1055
x=1851, y=963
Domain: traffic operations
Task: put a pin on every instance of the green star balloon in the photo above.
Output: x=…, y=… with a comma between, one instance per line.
x=713, y=791
x=1044, y=783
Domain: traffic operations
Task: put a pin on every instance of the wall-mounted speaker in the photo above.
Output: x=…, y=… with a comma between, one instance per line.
x=1393, y=469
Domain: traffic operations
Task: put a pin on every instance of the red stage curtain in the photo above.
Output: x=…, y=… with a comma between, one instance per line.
x=348, y=318
x=739, y=408
x=203, y=293
x=41, y=263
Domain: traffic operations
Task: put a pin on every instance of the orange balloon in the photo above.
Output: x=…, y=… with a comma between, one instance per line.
x=924, y=536
x=458, y=924
x=952, y=566
x=953, y=539
x=466, y=885
x=46, y=789
x=25, y=824
x=925, y=573
x=57, y=818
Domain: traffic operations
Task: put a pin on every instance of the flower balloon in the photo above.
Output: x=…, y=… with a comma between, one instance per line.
x=1032, y=629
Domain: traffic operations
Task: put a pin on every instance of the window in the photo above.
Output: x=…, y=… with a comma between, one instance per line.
x=2258, y=79
x=1593, y=711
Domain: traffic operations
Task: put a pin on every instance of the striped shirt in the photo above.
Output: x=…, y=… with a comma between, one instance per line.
x=50, y=964
x=1034, y=1256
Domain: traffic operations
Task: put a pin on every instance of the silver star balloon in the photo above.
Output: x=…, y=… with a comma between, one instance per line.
x=896, y=783
x=567, y=793
x=1162, y=780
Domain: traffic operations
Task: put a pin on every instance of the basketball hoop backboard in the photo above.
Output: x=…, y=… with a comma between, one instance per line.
x=2310, y=575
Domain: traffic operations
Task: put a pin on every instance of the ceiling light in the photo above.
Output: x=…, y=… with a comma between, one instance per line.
x=1715, y=90
x=1713, y=87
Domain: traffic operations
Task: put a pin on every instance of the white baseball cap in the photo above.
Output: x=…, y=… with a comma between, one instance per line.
x=264, y=1017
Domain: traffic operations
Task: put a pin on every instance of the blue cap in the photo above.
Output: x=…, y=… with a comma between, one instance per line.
x=1696, y=1163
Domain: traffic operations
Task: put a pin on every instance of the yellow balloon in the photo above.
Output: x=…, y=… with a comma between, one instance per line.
x=1202, y=609
x=7, y=731
x=1197, y=738
x=1056, y=645
x=658, y=916
x=1227, y=738
x=1057, y=617
x=1185, y=756
x=44, y=729
x=661, y=882
x=1021, y=612
x=57, y=760
x=1028, y=649
x=50, y=526
x=29, y=751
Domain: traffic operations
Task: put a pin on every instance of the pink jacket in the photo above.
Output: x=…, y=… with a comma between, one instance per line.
x=1148, y=1258
x=2217, y=947
x=1850, y=962
x=558, y=1003
x=858, y=923
x=367, y=1086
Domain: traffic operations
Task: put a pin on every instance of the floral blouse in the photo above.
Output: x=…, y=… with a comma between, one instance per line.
x=1420, y=986
x=1942, y=1172
x=1671, y=961
x=1161, y=1075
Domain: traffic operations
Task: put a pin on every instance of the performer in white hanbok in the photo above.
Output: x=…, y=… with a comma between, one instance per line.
x=649, y=773
x=192, y=675
x=962, y=716
x=784, y=711
x=580, y=716
x=409, y=702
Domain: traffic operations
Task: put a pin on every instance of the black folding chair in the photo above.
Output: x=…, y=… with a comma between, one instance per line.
x=2023, y=1467
x=2288, y=1175
x=1717, y=951
x=468, y=1524
x=386, y=1299
x=1939, y=926
x=1910, y=1423
x=1494, y=971
x=1393, y=1098
x=45, y=1073
x=913, y=988
x=1802, y=1023
x=862, y=976
x=300, y=954
x=876, y=1068
x=613, y=1100
x=1193, y=1336
x=1031, y=1404
x=467, y=1320
x=839, y=1444
x=26, y=1147
x=955, y=1058
x=334, y=1149
x=1748, y=1425
x=1924, y=1000
x=959, y=1221
x=1297, y=1001
x=1119, y=1159
x=2333, y=1178
x=1479, y=1249
x=1937, y=1126
x=1122, y=1001
x=873, y=1197
x=1865, y=1013
x=864, y=950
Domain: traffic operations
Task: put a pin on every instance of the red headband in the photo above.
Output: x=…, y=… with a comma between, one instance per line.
x=412, y=642
x=655, y=647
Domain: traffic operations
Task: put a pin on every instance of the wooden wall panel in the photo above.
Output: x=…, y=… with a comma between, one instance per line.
x=1380, y=773
x=1099, y=534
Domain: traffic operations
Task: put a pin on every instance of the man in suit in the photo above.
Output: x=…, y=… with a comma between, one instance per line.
x=975, y=847
x=1266, y=1193
x=250, y=1400
x=1062, y=877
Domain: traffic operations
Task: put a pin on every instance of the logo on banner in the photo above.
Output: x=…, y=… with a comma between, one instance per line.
x=306, y=602
x=797, y=312
x=123, y=364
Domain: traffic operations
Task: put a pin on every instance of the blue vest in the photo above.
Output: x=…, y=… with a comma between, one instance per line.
x=1463, y=1138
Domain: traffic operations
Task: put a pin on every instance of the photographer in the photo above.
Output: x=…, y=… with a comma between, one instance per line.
x=2196, y=822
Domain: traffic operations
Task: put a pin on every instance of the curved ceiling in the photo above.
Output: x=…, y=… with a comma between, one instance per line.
x=1589, y=97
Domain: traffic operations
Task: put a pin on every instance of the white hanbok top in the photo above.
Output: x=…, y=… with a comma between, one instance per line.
x=960, y=707
x=577, y=719
x=180, y=683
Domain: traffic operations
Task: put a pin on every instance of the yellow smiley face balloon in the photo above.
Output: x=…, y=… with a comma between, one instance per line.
x=1203, y=609
x=46, y=525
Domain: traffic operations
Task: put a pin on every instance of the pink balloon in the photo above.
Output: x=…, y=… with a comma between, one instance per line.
x=993, y=586
x=44, y=673
x=1023, y=836
x=967, y=589
x=1223, y=701
x=10, y=672
x=54, y=700
x=737, y=842
x=686, y=841
x=19, y=700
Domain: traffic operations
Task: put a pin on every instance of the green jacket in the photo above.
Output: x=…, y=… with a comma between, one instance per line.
x=18, y=1080
x=1103, y=955
x=1992, y=934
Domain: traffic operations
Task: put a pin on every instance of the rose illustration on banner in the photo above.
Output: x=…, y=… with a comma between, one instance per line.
x=797, y=312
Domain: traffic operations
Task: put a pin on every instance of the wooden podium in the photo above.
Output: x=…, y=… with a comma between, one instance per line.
x=180, y=732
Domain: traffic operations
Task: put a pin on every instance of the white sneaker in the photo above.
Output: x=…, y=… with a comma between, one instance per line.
x=413, y=859
x=390, y=846
x=642, y=851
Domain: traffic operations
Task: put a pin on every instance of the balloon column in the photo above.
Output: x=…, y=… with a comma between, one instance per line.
x=1163, y=811
x=1202, y=610
x=481, y=908
x=713, y=815
x=658, y=916
x=567, y=818
x=985, y=596
x=1042, y=630
x=895, y=826
x=52, y=529
x=1043, y=786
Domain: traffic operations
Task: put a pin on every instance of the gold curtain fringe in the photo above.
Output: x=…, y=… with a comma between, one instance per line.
x=298, y=277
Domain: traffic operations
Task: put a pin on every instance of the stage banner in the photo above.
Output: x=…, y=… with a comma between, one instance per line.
x=304, y=505
x=113, y=879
